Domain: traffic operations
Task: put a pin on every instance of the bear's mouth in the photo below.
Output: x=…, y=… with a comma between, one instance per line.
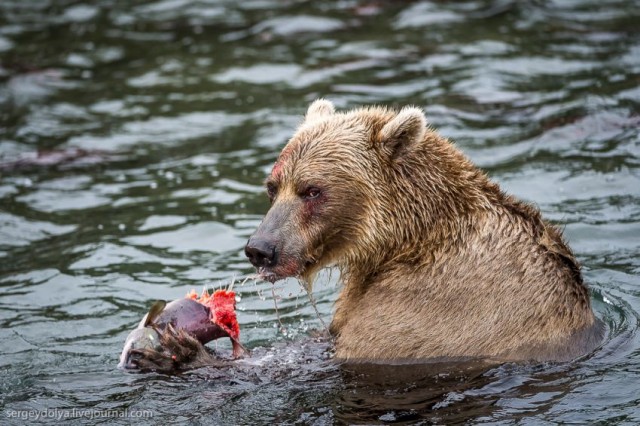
x=269, y=274
x=287, y=270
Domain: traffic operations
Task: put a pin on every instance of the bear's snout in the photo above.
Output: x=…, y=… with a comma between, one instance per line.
x=261, y=252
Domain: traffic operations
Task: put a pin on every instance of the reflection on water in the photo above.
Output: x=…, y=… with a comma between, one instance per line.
x=134, y=138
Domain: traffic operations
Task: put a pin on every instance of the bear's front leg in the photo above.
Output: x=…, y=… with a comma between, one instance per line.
x=180, y=351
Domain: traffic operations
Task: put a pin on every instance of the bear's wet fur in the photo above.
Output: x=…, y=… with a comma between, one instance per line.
x=435, y=260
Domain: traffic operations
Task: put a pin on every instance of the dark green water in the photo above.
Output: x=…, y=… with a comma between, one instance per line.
x=182, y=107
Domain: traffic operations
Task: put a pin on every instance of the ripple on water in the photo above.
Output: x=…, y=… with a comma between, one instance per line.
x=426, y=14
x=50, y=201
x=192, y=101
x=18, y=231
x=157, y=221
x=161, y=130
x=108, y=254
x=292, y=25
x=203, y=236
x=261, y=74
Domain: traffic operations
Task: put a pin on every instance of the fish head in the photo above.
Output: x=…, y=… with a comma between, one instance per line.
x=139, y=339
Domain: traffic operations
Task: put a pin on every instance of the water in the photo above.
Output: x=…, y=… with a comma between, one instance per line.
x=158, y=120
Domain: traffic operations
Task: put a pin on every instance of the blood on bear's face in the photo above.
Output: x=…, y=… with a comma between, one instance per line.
x=288, y=242
x=318, y=204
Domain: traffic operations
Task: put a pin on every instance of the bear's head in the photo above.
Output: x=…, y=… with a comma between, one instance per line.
x=334, y=192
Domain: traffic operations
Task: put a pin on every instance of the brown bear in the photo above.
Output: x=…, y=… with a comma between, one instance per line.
x=435, y=259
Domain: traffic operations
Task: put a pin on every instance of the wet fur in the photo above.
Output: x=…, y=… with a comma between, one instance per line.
x=436, y=260
x=181, y=351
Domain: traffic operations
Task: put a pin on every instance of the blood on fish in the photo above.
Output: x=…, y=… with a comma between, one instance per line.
x=222, y=305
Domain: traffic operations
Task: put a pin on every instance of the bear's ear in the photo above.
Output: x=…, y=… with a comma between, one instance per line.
x=408, y=127
x=318, y=109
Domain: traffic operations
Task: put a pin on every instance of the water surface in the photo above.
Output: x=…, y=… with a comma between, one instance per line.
x=156, y=122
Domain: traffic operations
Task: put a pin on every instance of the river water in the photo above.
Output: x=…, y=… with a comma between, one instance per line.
x=134, y=137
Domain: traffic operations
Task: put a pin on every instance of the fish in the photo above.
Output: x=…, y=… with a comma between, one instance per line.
x=172, y=335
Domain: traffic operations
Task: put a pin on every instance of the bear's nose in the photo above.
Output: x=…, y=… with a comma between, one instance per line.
x=261, y=252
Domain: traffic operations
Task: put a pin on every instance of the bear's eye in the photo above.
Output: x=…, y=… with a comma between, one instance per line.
x=311, y=193
x=271, y=190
